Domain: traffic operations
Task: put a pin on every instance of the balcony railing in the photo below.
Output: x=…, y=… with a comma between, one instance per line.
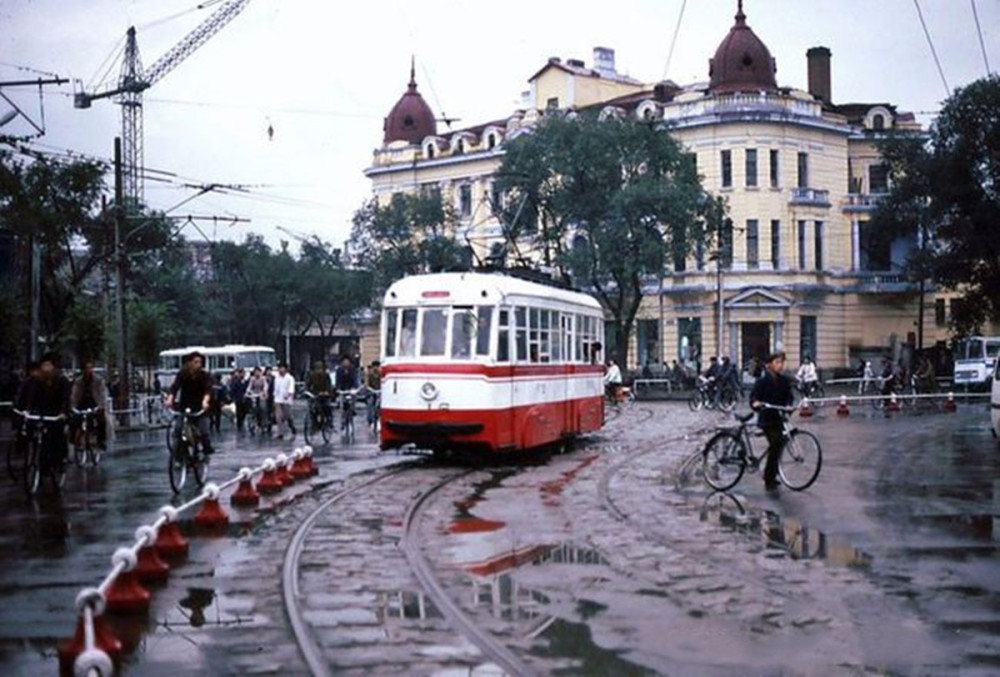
x=809, y=196
x=862, y=202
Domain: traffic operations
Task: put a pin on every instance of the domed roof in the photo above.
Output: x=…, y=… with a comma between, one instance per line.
x=742, y=62
x=411, y=118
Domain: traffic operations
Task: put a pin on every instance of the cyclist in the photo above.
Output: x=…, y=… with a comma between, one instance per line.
x=192, y=389
x=373, y=383
x=89, y=393
x=346, y=376
x=925, y=379
x=257, y=395
x=806, y=376
x=48, y=395
x=612, y=380
x=729, y=377
x=772, y=388
x=321, y=386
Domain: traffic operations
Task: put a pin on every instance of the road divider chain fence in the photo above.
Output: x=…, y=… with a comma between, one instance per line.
x=892, y=401
x=94, y=651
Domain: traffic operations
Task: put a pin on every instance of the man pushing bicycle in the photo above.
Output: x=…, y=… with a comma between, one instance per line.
x=775, y=389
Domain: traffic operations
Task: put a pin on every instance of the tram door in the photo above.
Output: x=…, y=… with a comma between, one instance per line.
x=505, y=356
x=563, y=348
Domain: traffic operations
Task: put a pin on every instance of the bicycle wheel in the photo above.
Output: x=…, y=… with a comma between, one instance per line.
x=199, y=464
x=177, y=466
x=32, y=472
x=800, y=461
x=57, y=474
x=818, y=392
x=723, y=461
x=80, y=449
x=347, y=432
x=326, y=428
x=727, y=400
x=308, y=428
x=252, y=423
x=697, y=400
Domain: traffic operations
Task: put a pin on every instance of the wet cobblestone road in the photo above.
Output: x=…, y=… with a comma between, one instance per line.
x=608, y=560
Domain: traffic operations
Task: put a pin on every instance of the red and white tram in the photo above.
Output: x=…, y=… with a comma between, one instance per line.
x=488, y=362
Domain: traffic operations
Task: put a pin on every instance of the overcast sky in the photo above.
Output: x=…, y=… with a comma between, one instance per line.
x=324, y=74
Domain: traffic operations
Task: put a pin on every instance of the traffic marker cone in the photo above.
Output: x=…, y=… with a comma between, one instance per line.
x=893, y=405
x=104, y=640
x=211, y=515
x=308, y=451
x=281, y=472
x=150, y=568
x=245, y=495
x=269, y=482
x=126, y=595
x=842, y=408
x=170, y=542
x=949, y=404
x=805, y=411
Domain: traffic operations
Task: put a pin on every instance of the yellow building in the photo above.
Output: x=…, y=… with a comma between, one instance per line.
x=801, y=175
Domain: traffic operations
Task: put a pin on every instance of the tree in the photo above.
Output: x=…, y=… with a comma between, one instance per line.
x=608, y=200
x=414, y=233
x=945, y=192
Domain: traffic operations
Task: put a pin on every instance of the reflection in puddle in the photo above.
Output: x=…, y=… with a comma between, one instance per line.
x=573, y=642
x=797, y=539
x=406, y=605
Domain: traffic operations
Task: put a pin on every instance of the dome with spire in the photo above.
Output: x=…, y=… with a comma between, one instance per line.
x=411, y=119
x=742, y=63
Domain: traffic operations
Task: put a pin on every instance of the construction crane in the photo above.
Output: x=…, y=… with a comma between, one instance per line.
x=133, y=81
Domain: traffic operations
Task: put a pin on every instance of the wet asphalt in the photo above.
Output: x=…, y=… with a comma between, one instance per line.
x=908, y=504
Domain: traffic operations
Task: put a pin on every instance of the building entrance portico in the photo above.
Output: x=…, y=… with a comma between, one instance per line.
x=755, y=341
x=756, y=319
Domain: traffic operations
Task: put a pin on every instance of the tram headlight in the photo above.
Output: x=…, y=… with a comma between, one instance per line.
x=428, y=391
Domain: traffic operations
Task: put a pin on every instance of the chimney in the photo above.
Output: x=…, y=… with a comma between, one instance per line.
x=819, y=73
x=604, y=60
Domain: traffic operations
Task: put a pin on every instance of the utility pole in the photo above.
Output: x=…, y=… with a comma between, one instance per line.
x=36, y=290
x=123, y=374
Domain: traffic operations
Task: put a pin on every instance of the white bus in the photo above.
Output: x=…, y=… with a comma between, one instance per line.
x=995, y=402
x=218, y=359
x=975, y=359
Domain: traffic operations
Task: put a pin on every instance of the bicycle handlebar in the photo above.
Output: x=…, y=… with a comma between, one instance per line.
x=775, y=407
x=189, y=413
x=86, y=412
x=38, y=417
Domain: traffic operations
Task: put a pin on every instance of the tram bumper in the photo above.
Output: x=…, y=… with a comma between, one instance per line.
x=432, y=430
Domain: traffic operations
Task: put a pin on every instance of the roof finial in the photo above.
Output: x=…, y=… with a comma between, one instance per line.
x=740, y=16
x=413, y=71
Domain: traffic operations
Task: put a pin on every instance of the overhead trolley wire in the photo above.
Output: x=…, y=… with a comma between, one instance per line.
x=979, y=31
x=673, y=40
x=930, y=42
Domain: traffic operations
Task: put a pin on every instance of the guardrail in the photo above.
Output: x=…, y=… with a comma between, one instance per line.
x=94, y=651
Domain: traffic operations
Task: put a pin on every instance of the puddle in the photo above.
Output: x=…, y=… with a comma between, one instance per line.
x=788, y=533
x=572, y=642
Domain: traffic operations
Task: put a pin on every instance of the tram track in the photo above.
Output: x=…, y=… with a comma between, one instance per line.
x=301, y=619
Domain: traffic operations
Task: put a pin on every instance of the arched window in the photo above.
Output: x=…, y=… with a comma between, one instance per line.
x=491, y=141
x=878, y=121
x=430, y=151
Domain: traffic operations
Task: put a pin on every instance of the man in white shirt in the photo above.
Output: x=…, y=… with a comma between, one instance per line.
x=284, y=393
x=612, y=381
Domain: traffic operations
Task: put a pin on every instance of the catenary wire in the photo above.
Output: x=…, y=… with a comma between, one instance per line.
x=979, y=32
x=930, y=42
x=673, y=40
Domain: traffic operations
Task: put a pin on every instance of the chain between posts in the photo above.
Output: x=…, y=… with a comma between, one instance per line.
x=90, y=602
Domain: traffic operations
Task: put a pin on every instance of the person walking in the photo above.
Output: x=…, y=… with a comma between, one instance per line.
x=775, y=389
x=612, y=381
x=284, y=393
x=238, y=384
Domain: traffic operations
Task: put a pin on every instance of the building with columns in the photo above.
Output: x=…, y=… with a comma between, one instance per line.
x=801, y=175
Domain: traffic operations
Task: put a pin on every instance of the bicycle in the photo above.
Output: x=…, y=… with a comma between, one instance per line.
x=186, y=451
x=347, y=414
x=85, y=443
x=811, y=390
x=39, y=459
x=255, y=418
x=374, y=410
x=317, y=419
x=705, y=397
x=729, y=454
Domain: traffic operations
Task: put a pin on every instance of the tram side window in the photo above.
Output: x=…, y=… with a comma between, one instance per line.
x=483, y=330
x=544, y=335
x=556, y=344
x=533, y=335
x=408, y=338
x=503, y=337
x=521, y=317
x=389, y=340
x=463, y=325
x=578, y=338
x=432, y=331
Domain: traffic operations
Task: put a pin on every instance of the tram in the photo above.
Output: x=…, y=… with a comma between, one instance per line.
x=488, y=363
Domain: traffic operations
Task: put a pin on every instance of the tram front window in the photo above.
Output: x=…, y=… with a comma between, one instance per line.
x=483, y=330
x=408, y=337
x=433, y=331
x=463, y=326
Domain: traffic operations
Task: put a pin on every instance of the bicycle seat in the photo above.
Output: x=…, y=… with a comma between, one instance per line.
x=743, y=418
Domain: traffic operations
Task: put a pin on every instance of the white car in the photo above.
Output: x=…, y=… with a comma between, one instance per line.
x=995, y=402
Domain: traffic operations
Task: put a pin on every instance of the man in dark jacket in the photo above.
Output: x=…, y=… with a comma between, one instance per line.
x=48, y=395
x=192, y=389
x=775, y=389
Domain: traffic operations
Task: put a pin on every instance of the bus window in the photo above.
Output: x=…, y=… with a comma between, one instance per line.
x=992, y=348
x=975, y=350
x=408, y=337
x=503, y=337
x=463, y=326
x=389, y=340
x=483, y=327
x=522, y=334
x=433, y=331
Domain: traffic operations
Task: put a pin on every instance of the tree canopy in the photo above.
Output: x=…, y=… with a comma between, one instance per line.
x=610, y=201
x=946, y=189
